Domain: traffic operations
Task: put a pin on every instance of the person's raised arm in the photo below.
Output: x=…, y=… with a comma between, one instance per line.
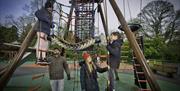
x=99, y=69
x=113, y=48
x=65, y=65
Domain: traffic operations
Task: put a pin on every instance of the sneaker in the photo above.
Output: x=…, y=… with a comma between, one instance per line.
x=46, y=61
x=42, y=62
x=38, y=60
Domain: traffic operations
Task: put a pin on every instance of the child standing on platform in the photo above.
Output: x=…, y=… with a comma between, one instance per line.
x=44, y=16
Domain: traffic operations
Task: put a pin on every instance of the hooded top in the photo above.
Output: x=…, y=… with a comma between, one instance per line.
x=114, y=49
x=44, y=21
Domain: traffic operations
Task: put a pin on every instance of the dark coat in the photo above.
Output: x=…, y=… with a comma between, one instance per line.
x=57, y=67
x=89, y=80
x=114, y=49
x=44, y=21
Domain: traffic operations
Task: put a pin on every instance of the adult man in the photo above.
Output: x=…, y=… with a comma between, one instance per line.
x=57, y=66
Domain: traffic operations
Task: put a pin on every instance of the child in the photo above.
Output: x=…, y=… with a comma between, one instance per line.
x=44, y=16
x=114, y=48
x=88, y=73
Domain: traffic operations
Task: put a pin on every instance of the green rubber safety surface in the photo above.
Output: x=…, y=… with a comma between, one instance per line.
x=126, y=83
x=24, y=82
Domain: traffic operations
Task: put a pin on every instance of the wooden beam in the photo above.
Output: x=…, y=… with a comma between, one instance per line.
x=138, y=53
x=35, y=88
x=37, y=76
x=103, y=19
x=17, y=59
x=4, y=69
x=70, y=16
x=16, y=48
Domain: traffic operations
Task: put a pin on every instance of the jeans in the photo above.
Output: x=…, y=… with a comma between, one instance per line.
x=42, y=45
x=57, y=85
x=111, y=85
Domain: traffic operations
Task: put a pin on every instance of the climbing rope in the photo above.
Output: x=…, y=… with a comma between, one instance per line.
x=106, y=14
x=74, y=63
x=73, y=46
x=62, y=4
x=124, y=7
x=140, y=11
x=129, y=9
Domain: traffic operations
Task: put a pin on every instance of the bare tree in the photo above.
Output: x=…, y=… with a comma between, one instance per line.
x=156, y=17
x=173, y=28
x=32, y=8
x=10, y=20
x=21, y=22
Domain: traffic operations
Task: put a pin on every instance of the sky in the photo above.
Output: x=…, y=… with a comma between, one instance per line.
x=15, y=8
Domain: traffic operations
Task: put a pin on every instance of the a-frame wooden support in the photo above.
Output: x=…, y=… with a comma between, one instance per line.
x=70, y=15
x=134, y=45
x=17, y=59
x=138, y=53
x=103, y=19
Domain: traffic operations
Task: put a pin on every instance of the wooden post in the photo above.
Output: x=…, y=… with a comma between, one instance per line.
x=138, y=53
x=29, y=49
x=103, y=20
x=178, y=70
x=70, y=16
x=69, y=21
x=17, y=59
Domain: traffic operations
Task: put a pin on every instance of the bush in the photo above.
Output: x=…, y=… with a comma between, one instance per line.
x=172, y=52
x=154, y=48
x=157, y=49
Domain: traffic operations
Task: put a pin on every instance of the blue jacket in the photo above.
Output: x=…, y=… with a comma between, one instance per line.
x=114, y=49
x=45, y=21
x=89, y=79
